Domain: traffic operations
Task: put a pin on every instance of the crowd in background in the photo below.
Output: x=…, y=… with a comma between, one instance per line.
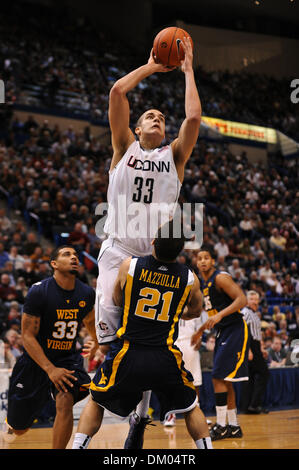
x=250, y=217
x=51, y=180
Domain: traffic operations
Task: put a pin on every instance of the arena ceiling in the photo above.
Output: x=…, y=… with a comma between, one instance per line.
x=280, y=9
x=268, y=16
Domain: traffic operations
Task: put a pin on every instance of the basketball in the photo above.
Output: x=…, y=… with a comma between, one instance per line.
x=166, y=47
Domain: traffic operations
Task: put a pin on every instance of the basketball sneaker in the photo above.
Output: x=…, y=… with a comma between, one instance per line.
x=7, y=433
x=170, y=420
x=234, y=431
x=218, y=432
x=136, y=432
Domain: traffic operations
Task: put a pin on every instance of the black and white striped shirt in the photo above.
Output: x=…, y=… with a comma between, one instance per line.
x=253, y=321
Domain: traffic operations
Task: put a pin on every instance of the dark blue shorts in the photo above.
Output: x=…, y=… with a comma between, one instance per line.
x=231, y=353
x=30, y=388
x=129, y=370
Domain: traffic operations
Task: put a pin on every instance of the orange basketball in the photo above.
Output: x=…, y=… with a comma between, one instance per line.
x=167, y=49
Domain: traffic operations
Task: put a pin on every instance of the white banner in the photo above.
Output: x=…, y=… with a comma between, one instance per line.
x=4, y=384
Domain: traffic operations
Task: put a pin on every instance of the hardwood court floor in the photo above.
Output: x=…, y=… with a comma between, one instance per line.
x=277, y=430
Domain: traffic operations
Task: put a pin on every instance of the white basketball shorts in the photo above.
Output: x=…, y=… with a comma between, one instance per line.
x=107, y=315
x=191, y=359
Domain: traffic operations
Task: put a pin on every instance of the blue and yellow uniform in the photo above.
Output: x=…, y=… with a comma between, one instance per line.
x=144, y=356
x=61, y=313
x=231, y=347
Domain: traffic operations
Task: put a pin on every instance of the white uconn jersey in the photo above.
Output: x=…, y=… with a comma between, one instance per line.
x=143, y=191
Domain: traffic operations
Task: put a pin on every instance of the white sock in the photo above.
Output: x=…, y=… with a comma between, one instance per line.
x=81, y=441
x=221, y=415
x=232, y=417
x=204, y=443
x=143, y=406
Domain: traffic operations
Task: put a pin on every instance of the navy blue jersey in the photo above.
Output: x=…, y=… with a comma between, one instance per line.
x=61, y=313
x=154, y=297
x=216, y=300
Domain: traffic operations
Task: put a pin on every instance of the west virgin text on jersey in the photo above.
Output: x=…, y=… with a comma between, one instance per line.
x=148, y=165
x=61, y=345
x=67, y=314
x=160, y=279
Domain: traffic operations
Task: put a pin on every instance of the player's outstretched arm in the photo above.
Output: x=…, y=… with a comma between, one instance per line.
x=119, y=108
x=183, y=145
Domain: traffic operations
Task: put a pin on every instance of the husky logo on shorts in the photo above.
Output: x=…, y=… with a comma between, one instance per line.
x=103, y=326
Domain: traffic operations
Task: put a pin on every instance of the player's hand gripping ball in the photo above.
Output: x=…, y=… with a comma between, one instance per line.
x=167, y=48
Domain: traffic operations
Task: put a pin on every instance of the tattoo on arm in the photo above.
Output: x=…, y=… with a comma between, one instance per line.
x=30, y=324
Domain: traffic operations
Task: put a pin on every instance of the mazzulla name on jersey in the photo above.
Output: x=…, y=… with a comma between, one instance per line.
x=159, y=279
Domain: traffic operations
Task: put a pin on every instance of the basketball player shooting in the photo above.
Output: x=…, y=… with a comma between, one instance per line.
x=140, y=172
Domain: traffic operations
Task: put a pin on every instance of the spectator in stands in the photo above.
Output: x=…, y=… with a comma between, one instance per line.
x=5, y=223
x=14, y=316
x=46, y=217
x=276, y=353
x=209, y=343
x=78, y=238
x=60, y=205
x=274, y=283
x=30, y=244
x=36, y=256
x=34, y=202
x=234, y=267
x=295, y=331
x=246, y=227
x=288, y=286
x=291, y=321
x=265, y=271
x=4, y=256
x=27, y=273
x=270, y=330
x=277, y=315
x=42, y=270
x=244, y=249
x=22, y=287
x=9, y=358
x=233, y=249
x=13, y=338
x=73, y=216
x=283, y=335
x=8, y=293
x=221, y=248
x=17, y=241
x=277, y=241
x=16, y=259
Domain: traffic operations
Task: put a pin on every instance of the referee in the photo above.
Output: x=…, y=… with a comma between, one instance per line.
x=254, y=390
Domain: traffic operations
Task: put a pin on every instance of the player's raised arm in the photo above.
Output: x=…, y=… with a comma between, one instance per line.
x=119, y=108
x=183, y=145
